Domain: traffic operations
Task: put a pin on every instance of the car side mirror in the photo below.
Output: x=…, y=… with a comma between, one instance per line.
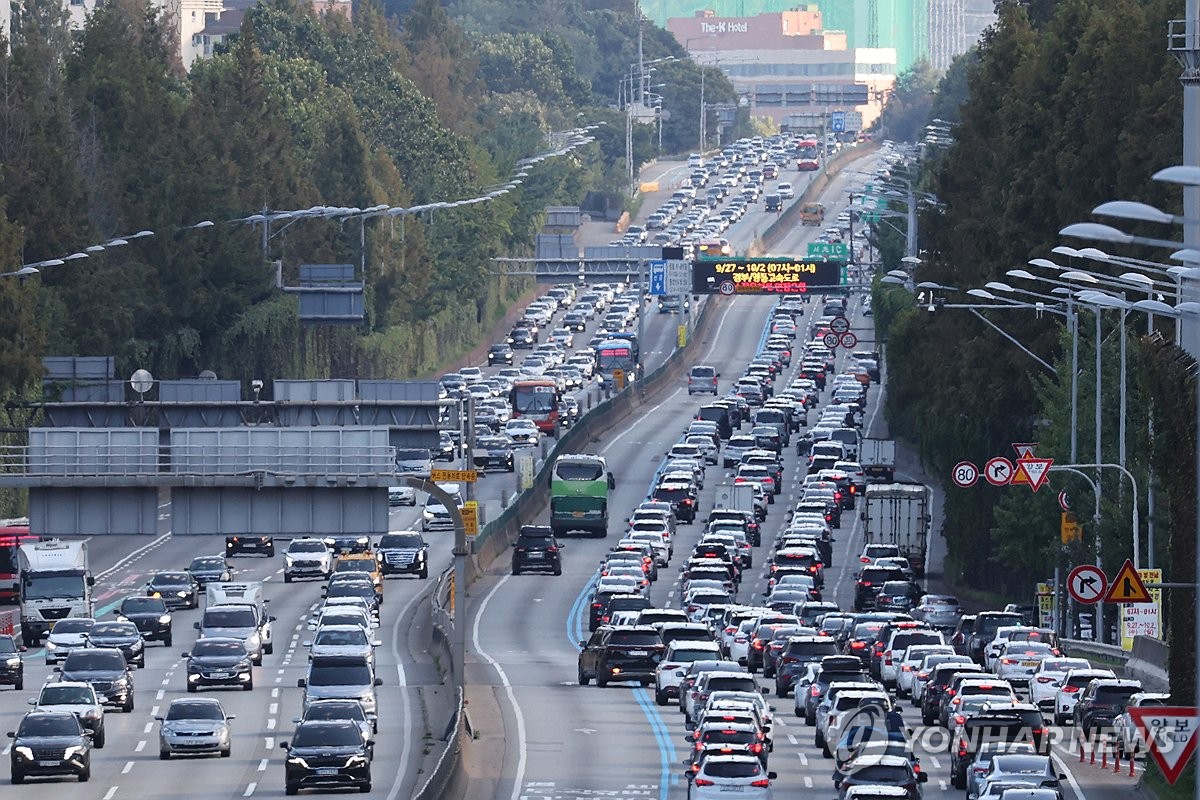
x=32, y=701
x=772, y=775
x=376, y=643
x=379, y=681
x=196, y=625
x=301, y=683
x=283, y=745
x=308, y=643
x=11, y=734
x=765, y=690
x=158, y=717
x=270, y=619
x=922, y=777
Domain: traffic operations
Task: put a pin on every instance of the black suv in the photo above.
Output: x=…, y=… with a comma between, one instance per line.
x=250, y=544
x=936, y=686
x=404, y=551
x=869, y=582
x=500, y=354
x=326, y=755
x=984, y=630
x=795, y=657
x=537, y=549
x=12, y=666
x=50, y=743
x=1102, y=701
x=151, y=616
x=681, y=496
x=106, y=669
x=629, y=653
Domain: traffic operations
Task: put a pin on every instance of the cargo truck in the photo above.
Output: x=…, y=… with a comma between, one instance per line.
x=238, y=610
x=878, y=460
x=55, y=582
x=899, y=514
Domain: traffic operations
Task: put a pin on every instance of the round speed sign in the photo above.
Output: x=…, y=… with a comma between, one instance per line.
x=831, y=340
x=965, y=474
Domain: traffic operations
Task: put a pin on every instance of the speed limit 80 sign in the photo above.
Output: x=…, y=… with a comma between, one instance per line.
x=964, y=474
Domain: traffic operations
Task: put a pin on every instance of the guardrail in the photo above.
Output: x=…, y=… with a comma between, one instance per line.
x=442, y=776
x=1146, y=662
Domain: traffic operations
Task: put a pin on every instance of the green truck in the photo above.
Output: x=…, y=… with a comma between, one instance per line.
x=579, y=488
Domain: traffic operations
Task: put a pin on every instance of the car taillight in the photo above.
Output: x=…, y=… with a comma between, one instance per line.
x=1045, y=679
x=1070, y=689
x=906, y=668
x=962, y=748
x=597, y=605
x=761, y=783
x=857, y=645
x=922, y=675
x=1008, y=661
x=757, y=644
x=815, y=691
x=552, y=550
x=853, y=489
x=864, y=583
x=702, y=782
x=950, y=692
x=960, y=719
x=740, y=639
x=756, y=748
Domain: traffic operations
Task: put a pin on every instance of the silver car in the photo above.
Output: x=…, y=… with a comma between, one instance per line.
x=194, y=725
x=342, y=640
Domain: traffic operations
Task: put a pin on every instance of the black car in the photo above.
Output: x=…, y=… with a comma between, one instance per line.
x=500, y=354
x=123, y=636
x=681, y=496
x=50, y=743
x=797, y=653
x=343, y=543
x=327, y=755
x=219, y=662
x=522, y=338
x=210, y=569
x=151, y=616
x=628, y=653
x=537, y=549
x=404, y=552
x=12, y=666
x=869, y=583
x=177, y=589
x=250, y=544
x=494, y=452
x=106, y=669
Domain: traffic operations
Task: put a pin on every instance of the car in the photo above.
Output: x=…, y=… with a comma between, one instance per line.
x=522, y=432
x=620, y=654
x=723, y=776
x=403, y=552
x=245, y=543
x=219, y=661
x=1044, y=682
x=537, y=548
x=106, y=669
x=435, y=516
x=1127, y=735
x=668, y=675
x=194, y=726
x=940, y=611
x=704, y=379
x=342, y=640
x=124, y=636
x=796, y=654
x=67, y=634
x=210, y=569
x=50, y=743
x=335, y=710
x=327, y=755
x=178, y=589
x=872, y=770
x=1070, y=688
x=76, y=698
x=151, y=616
x=501, y=353
x=1101, y=701
x=1033, y=768
x=12, y=665
x=981, y=764
x=307, y=557
x=494, y=451
x=343, y=677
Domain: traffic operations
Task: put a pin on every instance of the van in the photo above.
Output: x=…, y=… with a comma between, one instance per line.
x=719, y=415
x=773, y=203
x=703, y=378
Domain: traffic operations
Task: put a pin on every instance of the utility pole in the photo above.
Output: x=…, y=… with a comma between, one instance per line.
x=703, y=111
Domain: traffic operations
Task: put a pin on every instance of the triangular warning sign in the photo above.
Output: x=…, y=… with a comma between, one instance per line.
x=1127, y=587
x=1033, y=471
x=1024, y=449
x=1171, y=734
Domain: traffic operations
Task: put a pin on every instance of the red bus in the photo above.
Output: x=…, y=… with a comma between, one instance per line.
x=536, y=399
x=808, y=155
x=13, y=534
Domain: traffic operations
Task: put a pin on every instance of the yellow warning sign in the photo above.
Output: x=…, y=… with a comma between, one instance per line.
x=1070, y=530
x=453, y=475
x=1128, y=587
x=470, y=515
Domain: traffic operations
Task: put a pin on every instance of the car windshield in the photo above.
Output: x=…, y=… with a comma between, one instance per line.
x=73, y=626
x=350, y=636
x=170, y=579
x=327, y=734
x=83, y=660
x=143, y=605
x=356, y=565
x=66, y=695
x=102, y=629
x=732, y=769
x=307, y=547
x=190, y=709
x=209, y=649
x=207, y=563
x=8, y=645
x=1021, y=764
x=401, y=540
x=229, y=618
x=336, y=711
x=57, y=725
x=339, y=675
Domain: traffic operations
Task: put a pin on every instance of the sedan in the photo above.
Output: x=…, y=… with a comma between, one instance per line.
x=210, y=569
x=194, y=726
x=59, y=740
x=342, y=640
x=67, y=635
x=327, y=755
x=522, y=432
x=124, y=636
x=494, y=452
x=219, y=661
x=177, y=589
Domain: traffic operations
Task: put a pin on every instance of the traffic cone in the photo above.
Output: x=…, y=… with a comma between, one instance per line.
x=1117, y=761
x=1103, y=755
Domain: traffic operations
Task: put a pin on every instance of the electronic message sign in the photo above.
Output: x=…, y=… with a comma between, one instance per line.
x=766, y=276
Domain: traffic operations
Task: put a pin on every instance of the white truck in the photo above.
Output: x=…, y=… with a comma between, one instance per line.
x=878, y=460
x=55, y=582
x=899, y=514
x=238, y=610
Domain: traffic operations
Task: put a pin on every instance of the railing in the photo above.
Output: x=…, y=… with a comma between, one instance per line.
x=136, y=459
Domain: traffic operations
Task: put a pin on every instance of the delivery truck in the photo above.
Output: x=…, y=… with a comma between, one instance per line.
x=899, y=514
x=55, y=582
x=878, y=460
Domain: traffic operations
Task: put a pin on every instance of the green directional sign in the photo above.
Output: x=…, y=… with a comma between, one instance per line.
x=827, y=250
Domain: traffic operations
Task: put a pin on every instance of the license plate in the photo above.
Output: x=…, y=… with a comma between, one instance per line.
x=1029, y=663
x=221, y=675
x=48, y=763
x=537, y=555
x=639, y=652
x=327, y=770
x=577, y=514
x=732, y=788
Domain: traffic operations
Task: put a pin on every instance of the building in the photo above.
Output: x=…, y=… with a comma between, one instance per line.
x=789, y=66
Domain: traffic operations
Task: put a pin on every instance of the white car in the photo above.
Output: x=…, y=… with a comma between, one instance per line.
x=1070, y=687
x=910, y=662
x=402, y=496
x=704, y=444
x=670, y=671
x=991, y=651
x=523, y=432
x=1125, y=732
x=738, y=645
x=721, y=777
x=1043, y=684
x=1018, y=660
x=831, y=726
x=66, y=635
x=308, y=558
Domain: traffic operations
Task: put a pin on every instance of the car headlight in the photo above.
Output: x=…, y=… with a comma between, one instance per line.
x=74, y=750
x=51, y=646
x=427, y=514
x=253, y=640
x=287, y=560
x=297, y=761
x=164, y=619
x=14, y=661
x=24, y=752
x=183, y=594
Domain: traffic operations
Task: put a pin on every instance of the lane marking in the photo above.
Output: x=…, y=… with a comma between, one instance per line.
x=111, y=793
x=128, y=766
x=519, y=775
x=402, y=682
x=250, y=787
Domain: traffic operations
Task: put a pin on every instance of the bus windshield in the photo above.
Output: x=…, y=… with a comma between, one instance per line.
x=610, y=357
x=588, y=471
x=535, y=398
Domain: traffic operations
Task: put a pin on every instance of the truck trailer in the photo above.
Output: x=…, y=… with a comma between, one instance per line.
x=899, y=514
x=55, y=582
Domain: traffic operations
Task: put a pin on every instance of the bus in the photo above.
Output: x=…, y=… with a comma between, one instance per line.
x=579, y=487
x=536, y=399
x=615, y=354
x=13, y=534
x=808, y=155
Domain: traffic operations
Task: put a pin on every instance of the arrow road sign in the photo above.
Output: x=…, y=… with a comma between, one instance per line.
x=965, y=474
x=998, y=471
x=658, y=277
x=1170, y=732
x=1128, y=587
x=1087, y=583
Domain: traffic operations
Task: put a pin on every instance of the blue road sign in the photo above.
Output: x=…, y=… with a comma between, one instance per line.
x=658, y=277
x=837, y=121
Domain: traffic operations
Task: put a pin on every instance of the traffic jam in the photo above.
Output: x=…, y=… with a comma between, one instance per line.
x=726, y=614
